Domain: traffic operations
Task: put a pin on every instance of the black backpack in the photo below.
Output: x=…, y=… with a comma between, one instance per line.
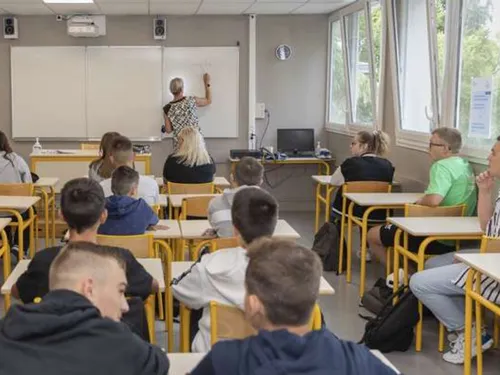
x=392, y=329
x=326, y=245
x=375, y=299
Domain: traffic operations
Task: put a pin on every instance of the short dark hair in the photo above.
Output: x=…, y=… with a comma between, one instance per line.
x=82, y=203
x=121, y=149
x=81, y=254
x=123, y=179
x=285, y=276
x=248, y=171
x=254, y=213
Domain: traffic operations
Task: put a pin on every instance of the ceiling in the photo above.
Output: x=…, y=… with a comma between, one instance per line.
x=173, y=7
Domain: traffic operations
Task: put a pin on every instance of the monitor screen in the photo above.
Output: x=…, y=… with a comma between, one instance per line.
x=295, y=140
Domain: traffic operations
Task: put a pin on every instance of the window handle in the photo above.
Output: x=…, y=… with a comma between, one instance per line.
x=430, y=116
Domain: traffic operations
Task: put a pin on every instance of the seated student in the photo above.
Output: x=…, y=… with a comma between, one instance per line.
x=440, y=287
x=451, y=182
x=75, y=328
x=126, y=214
x=366, y=164
x=220, y=276
x=83, y=209
x=102, y=168
x=190, y=163
x=122, y=153
x=248, y=172
x=282, y=286
x=14, y=170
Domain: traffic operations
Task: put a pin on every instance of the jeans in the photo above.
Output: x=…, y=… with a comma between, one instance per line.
x=446, y=259
x=435, y=289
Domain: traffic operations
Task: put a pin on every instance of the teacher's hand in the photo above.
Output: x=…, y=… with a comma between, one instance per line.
x=206, y=78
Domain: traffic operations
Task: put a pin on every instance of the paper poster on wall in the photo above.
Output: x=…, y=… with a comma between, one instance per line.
x=481, y=107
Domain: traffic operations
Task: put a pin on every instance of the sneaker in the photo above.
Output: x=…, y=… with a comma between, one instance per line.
x=389, y=281
x=368, y=255
x=456, y=354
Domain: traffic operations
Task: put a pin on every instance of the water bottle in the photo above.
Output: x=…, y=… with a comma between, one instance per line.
x=318, y=149
x=37, y=147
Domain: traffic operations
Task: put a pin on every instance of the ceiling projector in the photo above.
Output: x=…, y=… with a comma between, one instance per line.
x=87, y=26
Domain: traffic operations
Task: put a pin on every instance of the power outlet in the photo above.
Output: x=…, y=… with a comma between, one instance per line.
x=260, y=111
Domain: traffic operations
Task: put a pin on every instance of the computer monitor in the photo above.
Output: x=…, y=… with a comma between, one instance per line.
x=295, y=140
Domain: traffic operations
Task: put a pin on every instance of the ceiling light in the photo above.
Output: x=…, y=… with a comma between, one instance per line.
x=68, y=1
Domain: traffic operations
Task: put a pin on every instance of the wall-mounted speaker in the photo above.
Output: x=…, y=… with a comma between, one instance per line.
x=10, y=28
x=160, y=28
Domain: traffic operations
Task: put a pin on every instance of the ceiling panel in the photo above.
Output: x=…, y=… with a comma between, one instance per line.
x=223, y=8
x=273, y=8
x=182, y=8
x=99, y=2
x=340, y=3
x=125, y=8
x=21, y=2
x=317, y=8
x=26, y=9
x=74, y=8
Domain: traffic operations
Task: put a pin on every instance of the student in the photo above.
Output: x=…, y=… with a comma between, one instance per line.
x=122, y=153
x=75, y=328
x=102, y=168
x=366, y=164
x=83, y=209
x=220, y=276
x=14, y=170
x=126, y=214
x=441, y=286
x=248, y=172
x=190, y=163
x=451, y=182
x=282, y=286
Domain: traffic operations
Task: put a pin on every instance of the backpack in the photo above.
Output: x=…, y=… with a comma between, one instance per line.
x=375, y=299
x=392, y=329
x=326, y=245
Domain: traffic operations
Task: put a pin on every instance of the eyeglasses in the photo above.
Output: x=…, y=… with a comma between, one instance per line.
x=436, y=144
x=354, y=143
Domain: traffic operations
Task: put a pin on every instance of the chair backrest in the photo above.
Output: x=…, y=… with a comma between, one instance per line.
x=24, y=190
x=216, y=244
x=228, y=322
x=89, y=146
x=490, y=244
x=415, y=210
x=366, y=187
x=175, y=188
x=140, y=245
x=195, y=206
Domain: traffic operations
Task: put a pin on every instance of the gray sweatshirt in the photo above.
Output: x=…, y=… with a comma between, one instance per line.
x=219, y=212
x=13, y=169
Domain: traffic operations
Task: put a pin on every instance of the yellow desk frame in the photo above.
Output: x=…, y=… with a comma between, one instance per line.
x=322, y=163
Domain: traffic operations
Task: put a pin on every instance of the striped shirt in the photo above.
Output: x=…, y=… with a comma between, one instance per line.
x=490, y=289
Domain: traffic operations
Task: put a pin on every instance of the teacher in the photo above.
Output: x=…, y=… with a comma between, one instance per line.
x=182, y=111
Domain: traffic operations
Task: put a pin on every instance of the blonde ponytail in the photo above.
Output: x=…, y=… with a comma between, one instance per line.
x=377, y=142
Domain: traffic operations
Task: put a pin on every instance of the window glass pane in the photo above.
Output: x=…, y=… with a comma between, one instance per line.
x=441, y=37
x=480, y=57
x=414, y=73
x=376, y=15
x=359, y=68
x=338, y=97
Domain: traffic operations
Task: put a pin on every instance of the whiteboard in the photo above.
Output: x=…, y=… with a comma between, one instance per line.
x=48, y=92
x=221, y=118
x=124, y=91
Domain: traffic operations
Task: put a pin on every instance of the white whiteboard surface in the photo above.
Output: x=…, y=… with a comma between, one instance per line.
x=221, y=118
x=124, y=91
x=48, y=92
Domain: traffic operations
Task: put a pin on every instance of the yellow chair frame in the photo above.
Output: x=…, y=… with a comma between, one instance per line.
x=89, y=146
x=177, y=188
x=5, y=256
x=215, y=244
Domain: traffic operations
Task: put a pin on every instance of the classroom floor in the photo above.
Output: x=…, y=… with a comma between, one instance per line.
x=341, y=315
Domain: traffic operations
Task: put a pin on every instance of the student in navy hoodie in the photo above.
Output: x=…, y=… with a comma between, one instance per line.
x=282, y=284
x=127, y=215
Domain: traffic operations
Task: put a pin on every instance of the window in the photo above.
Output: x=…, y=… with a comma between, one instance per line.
x=338, y=97
x=377, y=35
x=479, y=58
x=359, y=68
x=413, y=65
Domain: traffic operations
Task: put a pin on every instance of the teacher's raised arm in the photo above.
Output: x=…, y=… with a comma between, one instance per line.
x=182, y=111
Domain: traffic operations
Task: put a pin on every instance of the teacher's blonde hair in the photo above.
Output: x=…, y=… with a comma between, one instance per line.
x=176, y=86
x=191, y=149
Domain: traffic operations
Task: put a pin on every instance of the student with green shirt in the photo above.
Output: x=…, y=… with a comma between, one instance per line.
x=451, y=182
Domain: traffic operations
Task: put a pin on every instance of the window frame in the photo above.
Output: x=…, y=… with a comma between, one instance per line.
x=377, y=96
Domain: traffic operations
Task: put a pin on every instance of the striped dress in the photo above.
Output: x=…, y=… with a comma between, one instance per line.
x=490, y=289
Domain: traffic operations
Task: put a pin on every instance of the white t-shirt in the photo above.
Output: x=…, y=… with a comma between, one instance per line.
x=147, y=189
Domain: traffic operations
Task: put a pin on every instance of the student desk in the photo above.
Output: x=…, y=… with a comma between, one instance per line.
x=434, y=228
x=220, y=183
x=322, y=163
x=70, y=164
x=480, y=264
x=373, y=201
x=175, y=201
x=183, y=363
x=45, y=186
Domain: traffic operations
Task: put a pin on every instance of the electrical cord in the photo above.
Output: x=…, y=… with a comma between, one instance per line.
x=268, y=115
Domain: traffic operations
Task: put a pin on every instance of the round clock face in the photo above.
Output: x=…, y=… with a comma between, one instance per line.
x=283, y=52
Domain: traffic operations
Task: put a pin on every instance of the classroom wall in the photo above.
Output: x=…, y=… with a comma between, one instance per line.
x=294, y=91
